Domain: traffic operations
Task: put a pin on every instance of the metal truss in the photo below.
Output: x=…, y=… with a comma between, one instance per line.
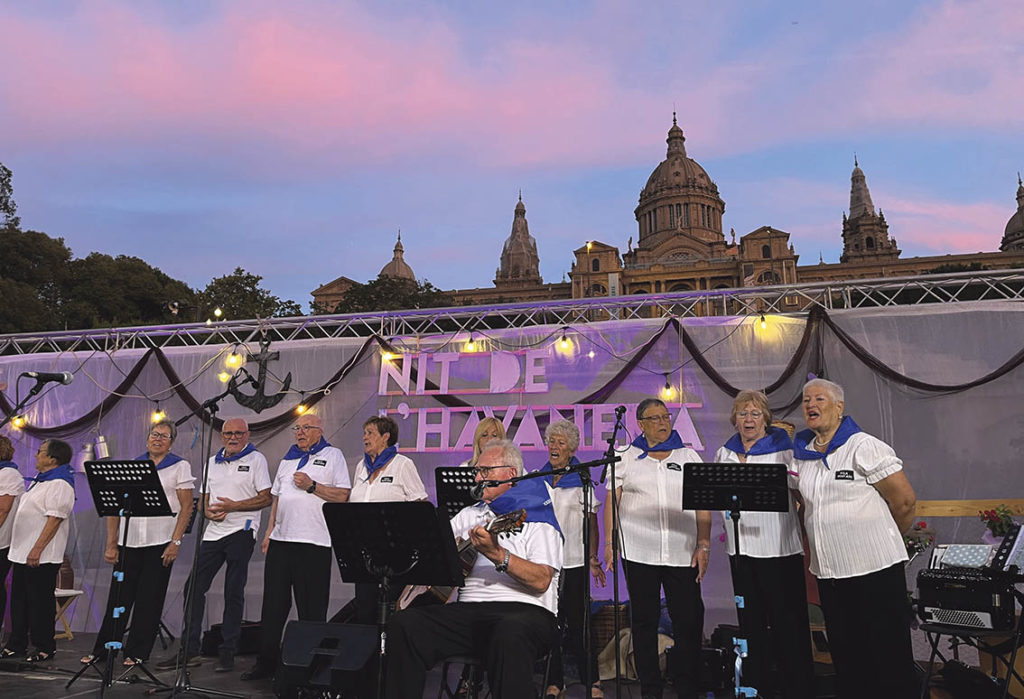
x=782, y=299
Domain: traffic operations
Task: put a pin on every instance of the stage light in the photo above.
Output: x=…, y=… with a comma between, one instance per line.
x=300, y=409
x=470, y=345
x=18, y=422
x=223, y=377
x=234, y=360
x=764, y=322
x=668, y=392
x=217, y=313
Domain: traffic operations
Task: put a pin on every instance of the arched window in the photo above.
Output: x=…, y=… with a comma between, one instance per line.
x=595, y=265
x=869, y=243
x=768, y=277
x=766, y=251
x=671, y=216
x=680, y=286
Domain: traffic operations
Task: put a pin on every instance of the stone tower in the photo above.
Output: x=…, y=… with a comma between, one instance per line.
x=520, y=264
x=865, y=233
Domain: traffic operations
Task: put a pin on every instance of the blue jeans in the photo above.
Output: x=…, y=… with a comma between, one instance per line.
x=235, y=550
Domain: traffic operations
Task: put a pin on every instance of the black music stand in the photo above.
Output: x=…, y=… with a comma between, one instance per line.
x=392, y=543
x=123, y=489
x=454, y=487
x=736, y=487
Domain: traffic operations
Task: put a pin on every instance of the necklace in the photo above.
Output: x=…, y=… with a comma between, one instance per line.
x=820, y=444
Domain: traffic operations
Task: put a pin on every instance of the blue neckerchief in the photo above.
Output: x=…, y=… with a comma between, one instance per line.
x=531, y=495
x=568, y=480
x=303, y=456
x=8, y=464
x=674, y=441
x=802, y=441
x=775, y=440
x=169, y=460
x=62, y=472
x=220, y=458
x=382, y=458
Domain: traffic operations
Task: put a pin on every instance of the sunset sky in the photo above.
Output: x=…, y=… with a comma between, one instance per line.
x=294, y=138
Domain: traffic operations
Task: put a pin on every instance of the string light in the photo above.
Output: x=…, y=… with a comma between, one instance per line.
x=18, y=422
x=470, y=345
x=590, y=354
x=387, y=356
x=217, y=313
x=563, y=343
x=158, y=414
x=764, y=322
x=223, y=377
x=668, y=392
x=234, y=360
x=300, y=409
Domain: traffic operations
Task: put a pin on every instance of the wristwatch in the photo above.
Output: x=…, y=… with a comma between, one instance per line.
x=176, y=542
x=503, y=566
x=312, y=488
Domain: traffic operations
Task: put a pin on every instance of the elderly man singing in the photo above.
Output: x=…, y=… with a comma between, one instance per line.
x=297, y=543
x=237, y=488
x=506, y=608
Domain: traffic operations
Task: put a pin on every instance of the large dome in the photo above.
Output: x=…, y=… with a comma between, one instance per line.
x=677, y=172
x=1013, y=236
x=398, y=267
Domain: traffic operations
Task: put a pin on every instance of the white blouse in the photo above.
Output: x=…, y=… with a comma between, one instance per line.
x=11, y=483
x=399, y=481
x=153, y=531
x=653, y=527
x=849, y=527
x=763, y=534
x=54, y=498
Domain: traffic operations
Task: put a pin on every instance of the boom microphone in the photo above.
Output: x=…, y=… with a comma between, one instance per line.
x=620, y=411
x=64, y=377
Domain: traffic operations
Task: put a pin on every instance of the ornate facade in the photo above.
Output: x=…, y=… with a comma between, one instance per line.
x=681, y=246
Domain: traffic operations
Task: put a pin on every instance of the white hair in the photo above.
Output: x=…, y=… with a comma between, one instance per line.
x=510, y=454
x=830, y=387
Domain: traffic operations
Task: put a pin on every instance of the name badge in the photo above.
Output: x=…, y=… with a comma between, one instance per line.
x=319, y=462
x=387, y=479
x=243, y=468
x=844, y=475
x=672, y=466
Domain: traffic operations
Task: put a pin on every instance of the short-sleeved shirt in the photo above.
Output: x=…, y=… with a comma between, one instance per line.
x=654, y=529
x=154, y=531
x=55, y=498
x=538, y=542
x=764, y=534
x=568, y=504
x=240, y=479
x=398, y=482
x=300, y=515
x=849, y=527
x=11, y=483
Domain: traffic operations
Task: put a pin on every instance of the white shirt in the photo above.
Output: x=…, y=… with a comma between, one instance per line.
x=153, y=531
x=399, y=481
x=653, y=527
x=240, y=479
x=849, y=527
x=47, y=499
x=568, y=504
x=763, y=534
x=11, y=483
x=538, y=542
x=300, y=515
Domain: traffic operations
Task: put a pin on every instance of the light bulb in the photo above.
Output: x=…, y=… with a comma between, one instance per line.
x=223, y=377
x=233, y=360
x=387, y=356
x=158, y=415
x=470, y=345
x=564, y=344
x=590, y=354
x=18, y=421
x=667, y=391
x=300, y=408
x=217, y=312
x=764, y=322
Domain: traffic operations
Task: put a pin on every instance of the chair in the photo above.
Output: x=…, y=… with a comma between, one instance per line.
x=473, y=667
x=64, y=598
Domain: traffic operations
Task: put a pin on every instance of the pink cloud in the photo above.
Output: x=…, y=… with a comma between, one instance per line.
x=931, y=226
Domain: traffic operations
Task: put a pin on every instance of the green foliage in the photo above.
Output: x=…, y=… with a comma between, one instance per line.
x=240, y=296
x=392, y=294
x=33, y=272
x=8, y=207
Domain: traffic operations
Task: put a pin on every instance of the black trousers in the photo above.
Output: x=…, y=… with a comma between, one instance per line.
x=235, y=550
x=570, y=614
x=507, y=636
x=33, y=607
x=142, y=595
x=869, y=634
x=5, y=569
x=685, y=609
x=775, y=623
x=302, y=569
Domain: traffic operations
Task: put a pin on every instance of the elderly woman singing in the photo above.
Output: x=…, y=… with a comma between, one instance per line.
x=858, y=502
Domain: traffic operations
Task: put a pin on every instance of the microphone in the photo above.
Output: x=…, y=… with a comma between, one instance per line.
x=620, y=411
x=477, y=491
x=64, y=377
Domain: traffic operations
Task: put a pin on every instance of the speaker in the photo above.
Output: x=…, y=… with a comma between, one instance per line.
x=321, y=655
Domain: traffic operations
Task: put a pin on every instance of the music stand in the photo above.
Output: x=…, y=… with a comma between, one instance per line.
x=123, y=489
x=736, y=487
x=454, y=487
x=388, y=543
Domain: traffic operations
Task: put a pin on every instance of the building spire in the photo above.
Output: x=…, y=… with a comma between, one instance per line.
x=860, y=196
x=676, y=141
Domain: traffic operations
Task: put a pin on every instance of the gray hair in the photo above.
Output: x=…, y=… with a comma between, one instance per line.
x=510, y=454
x=169, y=424
x=832, y=388
x=564, y=428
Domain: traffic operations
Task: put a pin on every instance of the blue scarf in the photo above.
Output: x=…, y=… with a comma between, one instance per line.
x=674, y=441
x=303, y=456
x=530, y=495
x=382, y=458
x=775, y=440
x=169, y=460
x=8, y=464
x=802, y=442
x=220, y=458
x=568, y=480
x=62, y=472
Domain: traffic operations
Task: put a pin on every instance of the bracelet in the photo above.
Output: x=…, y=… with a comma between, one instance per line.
x=503, y=566
x=704, y=547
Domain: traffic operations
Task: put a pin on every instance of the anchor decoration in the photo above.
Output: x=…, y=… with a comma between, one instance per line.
x=260, y=401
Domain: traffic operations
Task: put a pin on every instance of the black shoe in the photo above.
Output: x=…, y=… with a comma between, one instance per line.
x=226, y=662
x=258, y=672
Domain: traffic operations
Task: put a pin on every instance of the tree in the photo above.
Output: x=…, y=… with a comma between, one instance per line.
x=239, y=296
x=8, y=207
x=33, y=272
x=392, y=294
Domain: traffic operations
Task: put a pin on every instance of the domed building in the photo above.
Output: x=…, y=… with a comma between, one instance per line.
x=520, y=264
x=1013, y=236
x=398, y=267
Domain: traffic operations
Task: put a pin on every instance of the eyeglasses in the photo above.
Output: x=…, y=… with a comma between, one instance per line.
x=657, y=418
x=305, y=428
x=756, y=414
x=159, y=435
x=232, y=435
x=484, y=470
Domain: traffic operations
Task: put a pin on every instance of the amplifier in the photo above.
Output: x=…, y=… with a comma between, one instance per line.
x=967, y=597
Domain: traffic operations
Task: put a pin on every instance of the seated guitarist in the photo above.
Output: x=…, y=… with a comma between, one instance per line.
x=505, y=613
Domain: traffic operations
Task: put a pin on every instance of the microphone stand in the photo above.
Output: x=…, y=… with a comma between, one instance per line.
x=614, y=534
x=21, y=403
